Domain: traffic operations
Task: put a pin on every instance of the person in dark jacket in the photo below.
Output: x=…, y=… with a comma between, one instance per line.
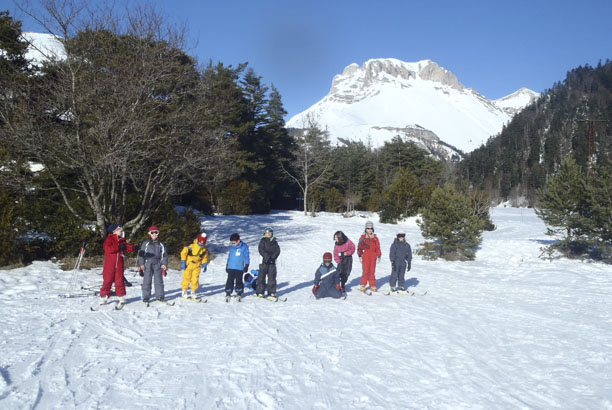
x=344, y=249
x=269, y=251
x=153, y=262
x=327, y=279
x=400, y=255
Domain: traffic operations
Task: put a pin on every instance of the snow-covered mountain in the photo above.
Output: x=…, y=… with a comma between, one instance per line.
x=420, y=101
x=43, y=47
x=516, y=101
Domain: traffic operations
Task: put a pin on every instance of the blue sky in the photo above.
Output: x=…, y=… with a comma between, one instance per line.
x=495, y=47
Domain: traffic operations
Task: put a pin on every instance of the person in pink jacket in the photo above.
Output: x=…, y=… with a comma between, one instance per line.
x=344, y=249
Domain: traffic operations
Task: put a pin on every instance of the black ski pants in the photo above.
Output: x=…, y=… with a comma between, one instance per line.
x=266, y=279
x=234, y=281
x=344, y=268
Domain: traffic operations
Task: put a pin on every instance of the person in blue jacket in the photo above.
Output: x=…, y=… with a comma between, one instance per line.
x=237, y=264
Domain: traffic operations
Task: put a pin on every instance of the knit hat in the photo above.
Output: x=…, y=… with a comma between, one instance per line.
x=234, y=237
x=154, y=229
x=202, y=238
x=327, y=256
x=111, y=228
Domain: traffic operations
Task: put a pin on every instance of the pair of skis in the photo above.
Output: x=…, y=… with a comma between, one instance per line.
x=397, y=292
x=405, y=292
x=272, y=298
x=97, y=308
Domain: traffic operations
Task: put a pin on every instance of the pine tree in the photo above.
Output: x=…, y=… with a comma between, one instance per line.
x=402, y=199
x=562, y=205
x=450, y=225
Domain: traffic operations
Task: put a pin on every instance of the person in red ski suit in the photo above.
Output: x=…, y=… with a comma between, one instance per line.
x=115, y=246
x=369, y=254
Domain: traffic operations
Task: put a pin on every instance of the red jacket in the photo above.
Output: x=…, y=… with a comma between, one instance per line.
x=368, y=245
x=113, y=257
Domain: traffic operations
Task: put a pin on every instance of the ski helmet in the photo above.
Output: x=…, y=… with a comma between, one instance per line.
x=327, y=257
x=268, y=230
x=113, y=227
x=202, y=239
x=369, y=225
x=154, y=229
x=401, y=235
x=234, y=237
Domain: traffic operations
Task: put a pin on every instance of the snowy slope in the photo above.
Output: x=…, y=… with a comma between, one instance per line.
x=508, y=330
x=516, y=101
x=43, y=47
x=400, y=97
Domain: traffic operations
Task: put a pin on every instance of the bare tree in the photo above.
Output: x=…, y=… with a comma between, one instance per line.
x=312, y=159
x=116, y=121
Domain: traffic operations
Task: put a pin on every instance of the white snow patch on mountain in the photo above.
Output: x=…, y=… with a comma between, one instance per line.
x=43, y=47
x=400, y=97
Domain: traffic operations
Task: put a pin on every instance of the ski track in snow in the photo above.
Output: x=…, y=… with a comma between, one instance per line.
x=508, y=330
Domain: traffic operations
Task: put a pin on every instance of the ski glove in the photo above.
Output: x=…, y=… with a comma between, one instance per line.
x=246, y=268
x=204, y=266
x=141, y=271
x=183, y=265
x=339, y=287
x=393, y=265
x=409, y=265
x=314, y=289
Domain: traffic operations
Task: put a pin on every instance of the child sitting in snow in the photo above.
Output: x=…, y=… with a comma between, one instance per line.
x=327, y=279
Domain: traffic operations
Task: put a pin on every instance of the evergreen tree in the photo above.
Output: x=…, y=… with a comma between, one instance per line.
x=563, y=204
x=600, y=210
x=450, y=225
x=402, y=199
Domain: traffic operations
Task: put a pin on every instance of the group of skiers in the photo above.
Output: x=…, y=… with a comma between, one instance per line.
x=329, y=281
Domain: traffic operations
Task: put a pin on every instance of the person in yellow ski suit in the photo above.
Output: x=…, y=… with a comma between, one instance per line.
x=193, y=258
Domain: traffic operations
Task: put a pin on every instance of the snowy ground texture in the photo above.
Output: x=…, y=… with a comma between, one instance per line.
x=508, y=330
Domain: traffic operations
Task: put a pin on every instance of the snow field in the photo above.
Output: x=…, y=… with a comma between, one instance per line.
x=508, y=330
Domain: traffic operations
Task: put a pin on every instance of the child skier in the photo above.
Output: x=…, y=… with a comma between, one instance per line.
x=269, y=251
x=153, y=262
x=250, y=279
x=115, y=246
x=369, y=253
x=237, y=264
x=400, y=255
x=344, y=249
x=327, y=279
x=193, y=258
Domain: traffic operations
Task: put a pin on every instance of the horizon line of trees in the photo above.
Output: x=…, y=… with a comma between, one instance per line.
x=127, y=126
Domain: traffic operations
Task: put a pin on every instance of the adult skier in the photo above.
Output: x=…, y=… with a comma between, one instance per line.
x=115, y=247
x=153, y=262
x=400, y=255
x=237, y=263
x=368, y=250
x=194, y=258
x=269, y=251
x=327, y=279
x=344, y=249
